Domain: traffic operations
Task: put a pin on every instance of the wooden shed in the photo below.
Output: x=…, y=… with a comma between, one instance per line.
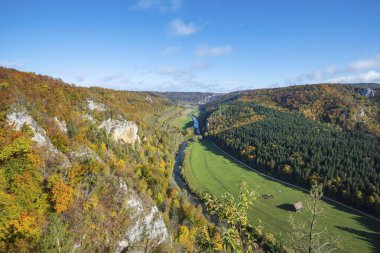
x=298, y=206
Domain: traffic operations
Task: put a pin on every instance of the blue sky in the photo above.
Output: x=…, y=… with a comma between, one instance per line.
x=193, y=45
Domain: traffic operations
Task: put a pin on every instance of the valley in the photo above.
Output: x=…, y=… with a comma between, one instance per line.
x=207, y=168
x=178, y=126
x=78, y=159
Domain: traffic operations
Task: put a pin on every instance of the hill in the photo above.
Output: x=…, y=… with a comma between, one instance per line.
x=375, y=86
x=304, y=134
x=191, y=97
x=89, y=169
x=336, y=104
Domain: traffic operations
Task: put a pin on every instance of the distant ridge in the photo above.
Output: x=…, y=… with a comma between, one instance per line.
x=365, y=85
x=191, y=97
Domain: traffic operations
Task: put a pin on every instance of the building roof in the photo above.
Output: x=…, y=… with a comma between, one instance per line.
x=298, y=205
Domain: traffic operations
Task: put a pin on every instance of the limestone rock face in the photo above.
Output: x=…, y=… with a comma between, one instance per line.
x=149, y=99
x=147, y=225
x=89, y=118
x=121, y=129
x=84, y=152
x=61, y=125
x=18, y=118
x=92, y=105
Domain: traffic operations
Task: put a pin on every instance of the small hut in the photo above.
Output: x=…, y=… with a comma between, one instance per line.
x=298, y=206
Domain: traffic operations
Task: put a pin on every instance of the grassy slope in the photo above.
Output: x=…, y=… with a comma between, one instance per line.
x=183, y=120
x=207, y=169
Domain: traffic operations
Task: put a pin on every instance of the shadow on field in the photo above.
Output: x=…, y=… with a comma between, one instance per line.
x=372, y=237
x=286, y=207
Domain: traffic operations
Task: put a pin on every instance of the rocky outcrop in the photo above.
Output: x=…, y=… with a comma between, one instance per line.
x=61, y=125
x=18, y=119
x=366, y=92
x=89, y=118
x=362, y=113
x=121, y=129
x=92, y=105
x=149, y=99
x=85, y=153
x=147, y=227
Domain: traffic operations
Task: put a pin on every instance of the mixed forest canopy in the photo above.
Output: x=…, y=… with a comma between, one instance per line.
x=302, y=135
x=191, y=97
x=337, y=104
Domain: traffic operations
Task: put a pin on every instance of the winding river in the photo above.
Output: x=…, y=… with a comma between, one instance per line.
x=177, y=168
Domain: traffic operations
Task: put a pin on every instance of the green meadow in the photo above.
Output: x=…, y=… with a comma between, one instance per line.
x=209, y=170
x=183, y=120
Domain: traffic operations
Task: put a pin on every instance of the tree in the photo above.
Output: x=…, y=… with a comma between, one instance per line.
x=238, y=234
x=57, y=237
x=63, y=196
x=308, y=237
x=209, y=240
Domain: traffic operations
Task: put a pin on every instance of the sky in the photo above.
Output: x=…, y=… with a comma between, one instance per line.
x=193, y=45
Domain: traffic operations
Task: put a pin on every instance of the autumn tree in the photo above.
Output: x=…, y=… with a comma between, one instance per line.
x=308, y=237
x=238, y=233
x=63, y=196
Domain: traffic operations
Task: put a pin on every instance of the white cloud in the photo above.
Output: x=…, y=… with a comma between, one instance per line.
x=367, y=77
x=204, y=50
x=318, y=75
x=351, y=73
x=80, y=78
x=322, y=74
x=200, y=65
x=331, y=69
x=12, y=64
x=112, y=77
x=162, y=5
x=366, y=63
x=180, y=28
x=170, y=50
x=145, y=4
x=176, y=4
x=171, y=71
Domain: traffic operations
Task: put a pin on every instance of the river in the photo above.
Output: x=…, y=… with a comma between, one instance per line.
x=177, y=169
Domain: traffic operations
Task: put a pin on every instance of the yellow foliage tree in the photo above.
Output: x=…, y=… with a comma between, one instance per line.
x=63, y=196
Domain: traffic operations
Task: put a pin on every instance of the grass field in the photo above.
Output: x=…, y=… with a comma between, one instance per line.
x=174, y=116
x=208, y=169
x=183, y=121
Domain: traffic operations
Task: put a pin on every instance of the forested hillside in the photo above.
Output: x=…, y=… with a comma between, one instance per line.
x=191, y=97
x=90, y=170
x=331, y=103
x=304, y=134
